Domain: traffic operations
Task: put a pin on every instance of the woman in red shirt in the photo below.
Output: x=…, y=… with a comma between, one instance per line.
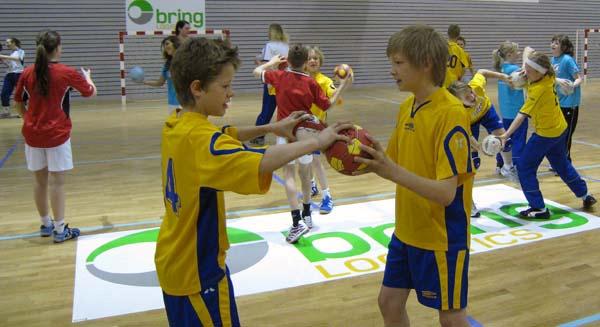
x=47, y=129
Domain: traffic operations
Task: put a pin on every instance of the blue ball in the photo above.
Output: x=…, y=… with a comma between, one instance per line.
x=136, y=74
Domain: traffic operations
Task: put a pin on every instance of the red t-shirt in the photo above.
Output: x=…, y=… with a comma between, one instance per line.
x=295, y=91
x=47, y=123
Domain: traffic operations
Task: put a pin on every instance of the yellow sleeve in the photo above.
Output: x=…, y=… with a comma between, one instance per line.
x=454, y=148
x=229, y=165
x=478, y=81
x=231, y=131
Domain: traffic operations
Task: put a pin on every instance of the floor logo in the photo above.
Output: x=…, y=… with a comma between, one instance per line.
x=247, y=249
x=142, y=10
x=115, y=272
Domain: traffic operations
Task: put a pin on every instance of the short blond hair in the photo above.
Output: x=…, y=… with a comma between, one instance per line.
x=422, y=46
x=318, y=52
x=459, y=88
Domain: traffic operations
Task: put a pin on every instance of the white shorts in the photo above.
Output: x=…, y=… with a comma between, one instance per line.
x=304, y=160
x=59, y=158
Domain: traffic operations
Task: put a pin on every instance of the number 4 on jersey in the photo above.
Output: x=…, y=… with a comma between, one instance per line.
x=171, y=195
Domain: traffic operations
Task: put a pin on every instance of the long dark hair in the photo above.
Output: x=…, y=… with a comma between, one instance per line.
x=180, y=24
x=565, y=44
x=175, y=41
x=47, y=42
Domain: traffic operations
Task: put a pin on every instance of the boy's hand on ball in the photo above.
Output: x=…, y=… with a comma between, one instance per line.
x=331, y=134
x=380, y=164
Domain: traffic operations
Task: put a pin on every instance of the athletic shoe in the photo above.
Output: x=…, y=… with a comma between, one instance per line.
x=67, y=234
x=307, y=220
x=535, y=213
x=509, y=173
x=498, y=171
x=296, y=232
x=326, y=205
x=46, y=231
x=314, y=190
x=589, y=201
x=474, y=211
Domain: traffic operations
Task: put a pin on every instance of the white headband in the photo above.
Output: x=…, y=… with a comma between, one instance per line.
x=536, y=66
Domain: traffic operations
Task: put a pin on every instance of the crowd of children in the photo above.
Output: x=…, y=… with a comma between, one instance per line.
x=431, y=155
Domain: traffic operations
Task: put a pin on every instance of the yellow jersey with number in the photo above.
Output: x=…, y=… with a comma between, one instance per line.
x=543, y=108
x=432, y=141
x=457, y=62
x=199, y=162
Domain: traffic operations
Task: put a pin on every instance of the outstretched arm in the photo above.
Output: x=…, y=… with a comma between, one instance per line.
x=274, y=62
x=492, y=74
x=440, y=191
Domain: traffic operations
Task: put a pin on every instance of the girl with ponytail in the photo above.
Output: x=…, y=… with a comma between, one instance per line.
x=509, y=99
x=548, y=140
x=47, y=129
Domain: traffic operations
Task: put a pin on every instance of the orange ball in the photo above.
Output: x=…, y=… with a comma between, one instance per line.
x=342, y=71
x=340, y=155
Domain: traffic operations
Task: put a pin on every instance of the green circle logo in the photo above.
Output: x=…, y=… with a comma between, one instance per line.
x=145, y=11
x=247, y=249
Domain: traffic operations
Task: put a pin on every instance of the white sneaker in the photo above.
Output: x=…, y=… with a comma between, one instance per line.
x=308, y=221
x=296, y=232
x=510, y=173
x=474, y=211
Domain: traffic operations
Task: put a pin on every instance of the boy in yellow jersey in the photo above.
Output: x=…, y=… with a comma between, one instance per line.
x=482, y=112
x=549, y=139
x=428, y=157
x=457, y=58
x=199, y=162
x=313, y=67
x=462, y=43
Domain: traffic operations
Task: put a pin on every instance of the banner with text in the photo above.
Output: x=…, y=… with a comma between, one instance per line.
x=115, y=272
x=151, y=15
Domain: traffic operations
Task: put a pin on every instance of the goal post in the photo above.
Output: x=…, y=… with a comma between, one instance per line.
x=142, y=48
x=587, y=45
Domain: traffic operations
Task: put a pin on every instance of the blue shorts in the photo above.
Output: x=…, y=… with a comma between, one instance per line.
x=491, y=121
x=440, y=278
x=213, y=306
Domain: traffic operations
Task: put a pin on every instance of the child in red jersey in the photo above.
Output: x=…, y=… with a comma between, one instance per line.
x=296, y=90
x=47, y=129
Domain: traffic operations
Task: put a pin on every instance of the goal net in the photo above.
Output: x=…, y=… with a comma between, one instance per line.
x=143, y=49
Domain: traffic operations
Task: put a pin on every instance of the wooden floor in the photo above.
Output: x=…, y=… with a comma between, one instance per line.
x=117, y=181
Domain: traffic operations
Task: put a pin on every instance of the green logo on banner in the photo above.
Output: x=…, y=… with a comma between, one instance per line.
x=145, y=9
x=247, y=249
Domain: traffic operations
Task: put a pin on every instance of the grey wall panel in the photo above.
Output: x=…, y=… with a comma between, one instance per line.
x=349, y=31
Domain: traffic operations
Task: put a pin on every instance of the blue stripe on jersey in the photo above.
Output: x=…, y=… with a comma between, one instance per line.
x=457, y=129
x=207, y=238
x=456, y=222
x=216, y=152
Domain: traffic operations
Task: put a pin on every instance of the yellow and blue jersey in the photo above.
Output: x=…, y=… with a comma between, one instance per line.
x=328, y=88
x=484, y=103
x=432, y=141
x=457, y=62
x=199, y=162
x=543, y=108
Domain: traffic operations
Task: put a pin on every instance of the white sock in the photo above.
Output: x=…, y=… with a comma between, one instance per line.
x=585, y=196
x=46, y=221
x=59, y=225
x=326, y=192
